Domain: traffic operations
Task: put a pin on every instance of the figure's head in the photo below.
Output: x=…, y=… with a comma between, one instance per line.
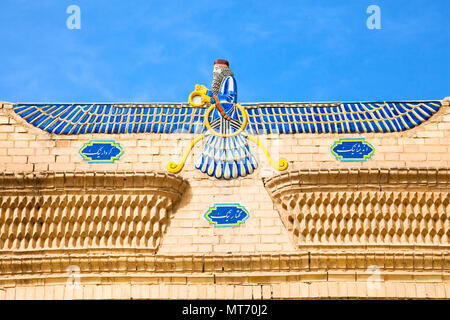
x=221, y=70
x=220, y=65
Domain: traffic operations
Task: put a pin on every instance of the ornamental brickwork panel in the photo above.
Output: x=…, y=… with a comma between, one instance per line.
x=86, y=210
x=373, y=208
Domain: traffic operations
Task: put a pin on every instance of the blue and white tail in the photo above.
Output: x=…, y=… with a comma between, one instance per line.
x=226, y=158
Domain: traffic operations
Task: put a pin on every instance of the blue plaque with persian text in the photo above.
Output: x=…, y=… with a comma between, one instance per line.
x=101, y=151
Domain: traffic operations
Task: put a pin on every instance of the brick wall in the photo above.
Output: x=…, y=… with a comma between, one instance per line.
x=24, y=148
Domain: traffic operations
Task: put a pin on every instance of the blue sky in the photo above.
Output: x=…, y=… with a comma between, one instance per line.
x=156, y=51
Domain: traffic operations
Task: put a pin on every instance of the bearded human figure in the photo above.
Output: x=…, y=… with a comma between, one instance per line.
x=225, y=157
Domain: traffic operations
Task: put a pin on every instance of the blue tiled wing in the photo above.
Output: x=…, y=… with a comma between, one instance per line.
x=262, y=118
x=70, y=119
x=340, y=118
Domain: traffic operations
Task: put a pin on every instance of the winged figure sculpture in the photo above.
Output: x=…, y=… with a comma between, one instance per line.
x=226, y=125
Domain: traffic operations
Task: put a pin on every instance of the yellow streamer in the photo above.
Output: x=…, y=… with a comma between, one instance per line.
x=173, y=167
x=282, y=163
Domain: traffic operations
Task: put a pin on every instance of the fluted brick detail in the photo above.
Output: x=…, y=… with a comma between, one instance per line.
x=368, y=217
x=359, y=207
x=86, y=210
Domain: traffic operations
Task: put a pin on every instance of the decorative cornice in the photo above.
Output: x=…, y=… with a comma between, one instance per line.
x=364, y=207
x=79, y=210
x=378, y=179
x=55, y=265
x=92, y=182
x=362, y=274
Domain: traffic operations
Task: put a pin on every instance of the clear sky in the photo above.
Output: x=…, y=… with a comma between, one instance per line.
x=156, y=51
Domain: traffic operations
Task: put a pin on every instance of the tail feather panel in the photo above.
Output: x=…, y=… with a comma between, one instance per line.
x=226, y=158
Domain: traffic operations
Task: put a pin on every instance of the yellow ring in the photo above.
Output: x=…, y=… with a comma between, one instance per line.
x=208, y=125
x=192, y=95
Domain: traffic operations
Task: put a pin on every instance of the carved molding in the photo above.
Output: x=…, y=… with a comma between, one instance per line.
x=119, y=275
x=61, y=211
x=364, y=207
x=119, y=264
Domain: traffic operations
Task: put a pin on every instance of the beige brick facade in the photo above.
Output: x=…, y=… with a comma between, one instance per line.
x=185, y=256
